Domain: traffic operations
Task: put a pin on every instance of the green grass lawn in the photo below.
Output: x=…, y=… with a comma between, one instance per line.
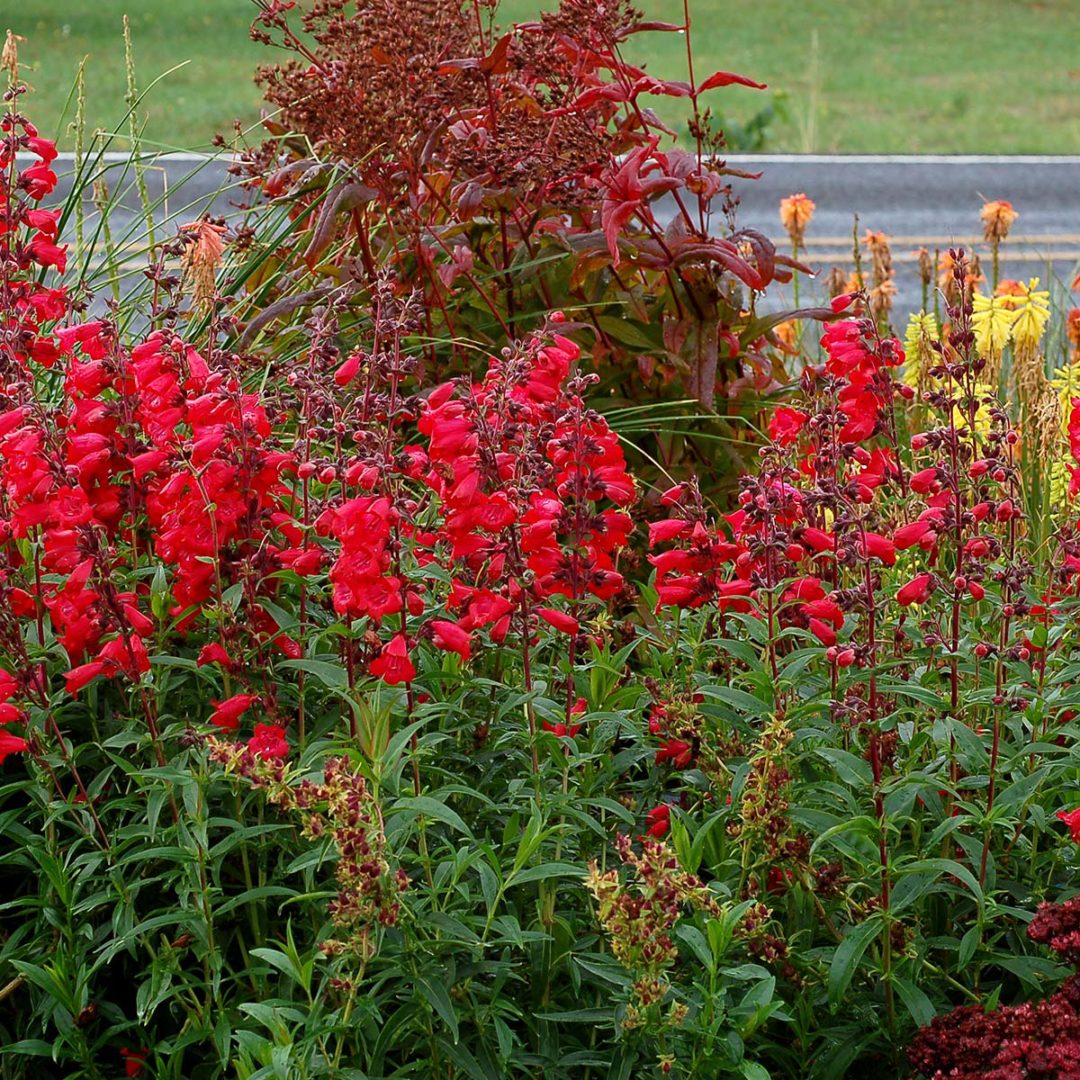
x=991, y=76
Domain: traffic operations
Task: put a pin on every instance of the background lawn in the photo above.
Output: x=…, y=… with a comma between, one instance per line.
x=993, y=76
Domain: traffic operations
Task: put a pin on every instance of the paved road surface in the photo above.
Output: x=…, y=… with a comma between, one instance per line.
x=924, y=202
x=918, y=201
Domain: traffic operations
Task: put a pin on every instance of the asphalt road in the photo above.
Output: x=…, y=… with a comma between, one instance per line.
x=923, y=202
x=930, y=202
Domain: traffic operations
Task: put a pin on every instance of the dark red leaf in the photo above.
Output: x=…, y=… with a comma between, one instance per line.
x=728, y=78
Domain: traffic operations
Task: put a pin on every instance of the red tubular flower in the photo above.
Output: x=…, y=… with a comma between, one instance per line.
x=564, y=623
x=450, y=637
x=568, y=731
x=926, y=481
x=785, y=425
x=871, y=545
x=10, y=744
x=658, y=820
x=734, y=596
x=269, y=742
x=804, y=589
x=817, y=540
x=677, y=751
x=393, y=664
x=1072, y=819
x=78, y=677
x=916, y=591
x=227, y=713
x=134, y=1061
x=660, y=532
x=822, y=631
x=348, y=370
x=213, y=653
x=921, y=533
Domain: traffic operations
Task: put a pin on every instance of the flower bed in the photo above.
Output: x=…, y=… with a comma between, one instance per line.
x=397, y=682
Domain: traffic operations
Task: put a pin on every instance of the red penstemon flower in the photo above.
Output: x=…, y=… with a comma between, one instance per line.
x=1072, y=819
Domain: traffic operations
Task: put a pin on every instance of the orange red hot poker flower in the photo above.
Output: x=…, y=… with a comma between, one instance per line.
x=997, y=218
x=796, y=212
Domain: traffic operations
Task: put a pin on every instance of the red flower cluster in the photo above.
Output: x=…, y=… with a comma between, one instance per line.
x=859, y=364
x=147, y=449
x=1033, y=1039
x=523, y=477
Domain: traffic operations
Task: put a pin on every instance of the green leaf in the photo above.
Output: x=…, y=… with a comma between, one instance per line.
x=436, y=995
x=739, y=700
x=846, y=959
x=629, y=333
x=577, y=1016
x=915, y=1001
x=697, y=943
x=751, y=1070
x=546, y=870
x=854, y=771
x=283, y=963
x=30, y=1047
x=1020, y=791
x=946, y=866
x=968, y=944
x=395, y=746
x=431, y=808
x=332, y=675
